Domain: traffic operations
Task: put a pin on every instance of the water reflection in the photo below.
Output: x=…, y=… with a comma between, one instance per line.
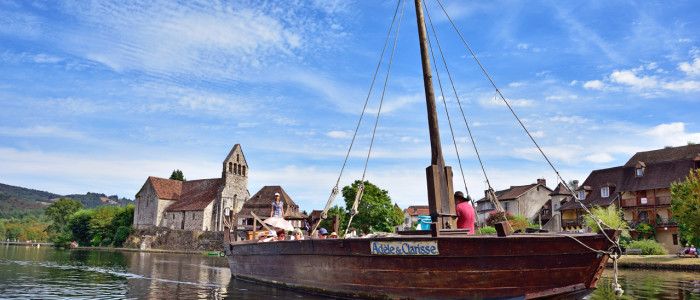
x=45, y=273
x=648, y=284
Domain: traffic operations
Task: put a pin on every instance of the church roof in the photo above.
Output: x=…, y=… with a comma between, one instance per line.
x=196, y=194
x=188, y=195
x=261, y=203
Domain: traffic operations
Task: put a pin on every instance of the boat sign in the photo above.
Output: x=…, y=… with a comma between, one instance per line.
x=405, y=248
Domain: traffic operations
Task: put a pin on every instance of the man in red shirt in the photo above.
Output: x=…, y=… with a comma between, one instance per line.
x=465, y=212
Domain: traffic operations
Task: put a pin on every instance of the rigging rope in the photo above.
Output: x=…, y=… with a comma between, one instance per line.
x=335, y=191
x=361, y=187
x=597, y=220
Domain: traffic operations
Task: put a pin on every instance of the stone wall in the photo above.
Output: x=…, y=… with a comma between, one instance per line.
x=165, y=239
x=145, y=207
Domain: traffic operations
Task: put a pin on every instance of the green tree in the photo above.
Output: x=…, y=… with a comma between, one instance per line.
x=59, y=212
x=177, y=175
x=101, y=222
x=611, y=216
x=342, y=220
x=396, y=217
x=79, y=225
x=374, y=210
x=685, y=206
x=121, y=235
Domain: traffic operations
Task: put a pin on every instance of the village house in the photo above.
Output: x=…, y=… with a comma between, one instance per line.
x=194, y=204
x=411, y=215
x=261, y=203
x=525, y=200
x=641, y=188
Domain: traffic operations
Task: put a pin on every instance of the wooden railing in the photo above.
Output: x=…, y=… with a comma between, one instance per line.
x=651, y=201
x=571, y=222
x=668, y=222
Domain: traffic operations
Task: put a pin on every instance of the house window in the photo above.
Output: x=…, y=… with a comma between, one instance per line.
x=556, y=206
x=639, y=171
x=605, y=192
x=675, y=239
x=581, y=195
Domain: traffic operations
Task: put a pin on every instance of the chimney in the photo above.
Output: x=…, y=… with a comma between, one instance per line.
x=575, y=182
x=542, y=181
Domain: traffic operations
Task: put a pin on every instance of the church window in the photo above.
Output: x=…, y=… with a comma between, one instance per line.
x=238, y=158
x=243, y=173
x=192, y=216
x=239, y=170
x=230, y=167
x=235, y=168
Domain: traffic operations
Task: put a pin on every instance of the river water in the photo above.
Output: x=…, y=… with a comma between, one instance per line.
x=46, y=273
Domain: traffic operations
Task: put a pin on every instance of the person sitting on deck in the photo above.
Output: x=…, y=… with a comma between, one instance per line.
x=322, y=233
x=693, y=251
x=297, y=236
x=465, y=212
x=271, y=236
x=277, y=207
x=281, y=235
x=333, y=235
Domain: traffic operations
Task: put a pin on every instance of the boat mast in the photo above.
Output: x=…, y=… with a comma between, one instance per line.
x=440, y=197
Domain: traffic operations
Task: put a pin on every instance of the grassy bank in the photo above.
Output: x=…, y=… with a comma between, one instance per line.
x=660, y=262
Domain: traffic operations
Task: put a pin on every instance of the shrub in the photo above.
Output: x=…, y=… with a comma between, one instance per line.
x=486, y=230
x=646, y=231
x=609, y=215
x=519, y=223
x=497, y=217
x=649, y=247
x=106, y=241
x=96, y=241
x=121, y=235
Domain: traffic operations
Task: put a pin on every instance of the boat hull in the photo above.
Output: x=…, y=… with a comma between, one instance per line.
x=526, y=266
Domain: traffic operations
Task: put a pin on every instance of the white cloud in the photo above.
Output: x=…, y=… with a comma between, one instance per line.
x=600, y=158
x=42, y=131
x=523, y=46
x=561, y=97
x=515, y=84
x=339, y=134
x=594, y=84
x=672, y=134
x=629, y=77
x=692, y=69
x=572, y=119
x=538, y=134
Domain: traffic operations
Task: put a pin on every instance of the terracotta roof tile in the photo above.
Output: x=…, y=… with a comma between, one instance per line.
x=417, y=210
x=196, y=194
x=166, y=188
x=560, y=190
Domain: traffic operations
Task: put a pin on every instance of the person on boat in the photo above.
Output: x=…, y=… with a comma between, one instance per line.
x=322, y=233
x=261, y=236
x=333, y=235
x=281, y=235
x=297, y=236
x=277, y=209
x=465, y=212
x=271, y=236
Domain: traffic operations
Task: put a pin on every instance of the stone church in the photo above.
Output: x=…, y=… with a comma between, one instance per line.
x=196, y=205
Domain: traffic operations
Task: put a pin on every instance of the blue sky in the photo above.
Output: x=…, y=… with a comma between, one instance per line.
x=97, y=96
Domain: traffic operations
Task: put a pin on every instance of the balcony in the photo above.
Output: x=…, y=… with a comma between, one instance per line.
x=650, y=201
x=571, y=222
x=668, y=222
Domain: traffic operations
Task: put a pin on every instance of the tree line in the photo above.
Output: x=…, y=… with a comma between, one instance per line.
x=100, y=226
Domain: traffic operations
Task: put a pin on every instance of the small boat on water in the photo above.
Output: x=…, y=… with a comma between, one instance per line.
x=441, y=263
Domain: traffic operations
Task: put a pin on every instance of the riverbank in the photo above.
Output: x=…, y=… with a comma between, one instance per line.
x=144, y=250
x=657, y=262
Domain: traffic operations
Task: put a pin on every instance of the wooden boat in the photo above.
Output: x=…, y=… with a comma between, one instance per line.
x=440, y=263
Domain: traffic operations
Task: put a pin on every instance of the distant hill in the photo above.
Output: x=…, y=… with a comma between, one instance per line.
x=16, y=207
x=15, y=201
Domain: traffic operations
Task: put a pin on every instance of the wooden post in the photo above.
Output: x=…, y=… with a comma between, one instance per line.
x=439, y=177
